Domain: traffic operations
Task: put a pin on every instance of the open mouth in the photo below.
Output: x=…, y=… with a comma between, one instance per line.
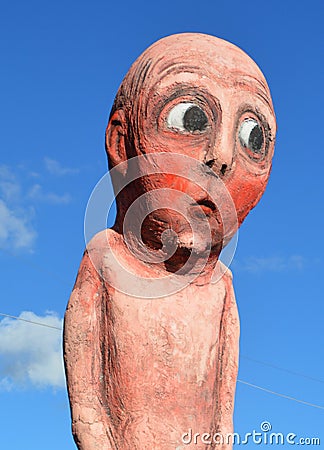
x=206, y=205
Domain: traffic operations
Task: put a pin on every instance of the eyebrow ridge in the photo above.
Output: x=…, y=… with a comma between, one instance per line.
x=261, y=89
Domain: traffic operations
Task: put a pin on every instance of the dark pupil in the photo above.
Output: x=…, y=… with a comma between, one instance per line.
x=194, y=119
x=256, y=139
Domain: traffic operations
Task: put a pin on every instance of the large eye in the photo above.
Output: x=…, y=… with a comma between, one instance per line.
x=187, y=117
x=251, y=137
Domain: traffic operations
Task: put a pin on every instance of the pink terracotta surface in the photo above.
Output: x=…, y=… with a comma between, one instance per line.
x=141, y=371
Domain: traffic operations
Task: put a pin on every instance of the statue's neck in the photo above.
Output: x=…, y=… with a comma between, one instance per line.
x=153, y=242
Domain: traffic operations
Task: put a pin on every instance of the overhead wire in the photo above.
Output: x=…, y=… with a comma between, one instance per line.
x=278, y=394
x=255, y=386
x=274, y=366
x=31, y=321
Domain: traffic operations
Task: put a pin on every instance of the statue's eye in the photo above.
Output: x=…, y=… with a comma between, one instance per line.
x=251, y=136
x=187, y=117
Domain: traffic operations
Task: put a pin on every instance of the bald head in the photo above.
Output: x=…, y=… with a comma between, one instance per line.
x=203, y=97
x=191, y=58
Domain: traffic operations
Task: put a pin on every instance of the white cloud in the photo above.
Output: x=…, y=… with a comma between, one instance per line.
x=15, y=230
x=9, y=187
x=256, y=264
x=31, y=354
x=55, y=168
x=16, y=205
x=5, y=173
x=10, y=190
x=37, y=193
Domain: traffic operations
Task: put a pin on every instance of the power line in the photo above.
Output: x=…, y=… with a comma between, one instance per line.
x=31, y=321
x=57, y=278
x=255, y=386
x=281, y=368
x=238, y=380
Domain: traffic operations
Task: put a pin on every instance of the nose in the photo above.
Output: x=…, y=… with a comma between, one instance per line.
x=219, y=157
x=221, y=170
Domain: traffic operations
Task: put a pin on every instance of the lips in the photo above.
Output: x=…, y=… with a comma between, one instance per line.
x=205, y=206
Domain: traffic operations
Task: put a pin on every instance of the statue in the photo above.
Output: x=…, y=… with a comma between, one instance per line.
x=151, y=329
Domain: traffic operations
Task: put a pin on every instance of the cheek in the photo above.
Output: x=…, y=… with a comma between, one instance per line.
x=177, y=184
x=246, y=190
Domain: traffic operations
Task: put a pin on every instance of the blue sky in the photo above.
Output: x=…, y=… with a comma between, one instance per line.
x=62, y=64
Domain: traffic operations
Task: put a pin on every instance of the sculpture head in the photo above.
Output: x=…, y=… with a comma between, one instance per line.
x=202, y=97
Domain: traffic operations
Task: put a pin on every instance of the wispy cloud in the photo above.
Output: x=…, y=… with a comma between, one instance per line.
x=16, y=228
x=37, y=193
x=256, y=264
x=17, y=204
x=55, y=168
x=31, y=355
x=9, y=188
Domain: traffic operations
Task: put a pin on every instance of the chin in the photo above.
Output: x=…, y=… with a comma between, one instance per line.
x=199, y=243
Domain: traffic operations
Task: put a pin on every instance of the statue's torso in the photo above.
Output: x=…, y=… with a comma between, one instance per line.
x=143, y=372
x=167, y=357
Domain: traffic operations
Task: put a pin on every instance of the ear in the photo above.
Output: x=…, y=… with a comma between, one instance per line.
x=115, y=138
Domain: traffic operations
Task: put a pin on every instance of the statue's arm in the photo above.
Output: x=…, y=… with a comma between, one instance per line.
x=228, y=360
x=82, y=357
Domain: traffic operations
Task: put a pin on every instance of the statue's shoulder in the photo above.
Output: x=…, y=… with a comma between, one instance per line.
x=100, y=245
x=92, y=266
x=102, y=241
x=226, y=271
